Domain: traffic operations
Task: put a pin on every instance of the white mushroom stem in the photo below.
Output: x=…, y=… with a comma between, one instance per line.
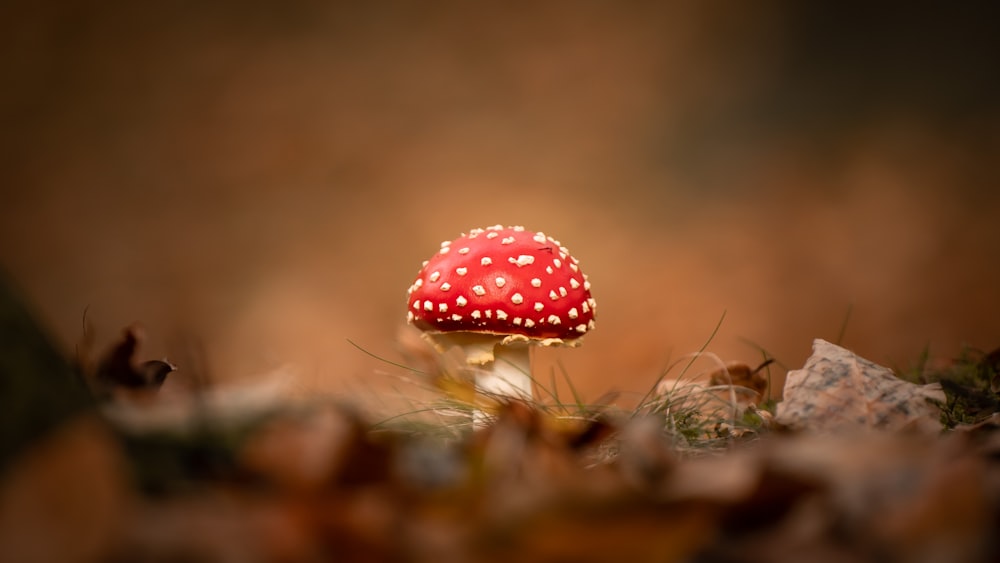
x=501, y=366
x=507, y=376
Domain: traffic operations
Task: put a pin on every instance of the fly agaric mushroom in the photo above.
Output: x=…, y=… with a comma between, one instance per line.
x=495, y=292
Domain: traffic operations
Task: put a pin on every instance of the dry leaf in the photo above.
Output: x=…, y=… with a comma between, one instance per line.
x=222, y=526
x=740, y=374
x=119, y=370
x=65, y=497
x=299, y=453
x=837, y=390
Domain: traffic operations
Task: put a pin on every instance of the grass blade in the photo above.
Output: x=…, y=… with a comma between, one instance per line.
x=381, y=359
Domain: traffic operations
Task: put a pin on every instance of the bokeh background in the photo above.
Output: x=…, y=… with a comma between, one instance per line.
x=264, y=178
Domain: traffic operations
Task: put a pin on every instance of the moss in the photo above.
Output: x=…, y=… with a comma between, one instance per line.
x=970, y=383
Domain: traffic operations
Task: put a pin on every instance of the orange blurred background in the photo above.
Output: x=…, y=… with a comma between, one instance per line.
x=266, y=177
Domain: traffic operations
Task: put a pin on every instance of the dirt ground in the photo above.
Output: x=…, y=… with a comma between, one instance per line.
x=266, y=179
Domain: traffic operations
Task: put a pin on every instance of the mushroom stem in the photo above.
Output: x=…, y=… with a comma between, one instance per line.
x=508, y=376
x=501, y=367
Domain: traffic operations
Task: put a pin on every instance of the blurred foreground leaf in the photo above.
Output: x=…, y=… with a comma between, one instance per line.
x=64, y=497
x=63, y=484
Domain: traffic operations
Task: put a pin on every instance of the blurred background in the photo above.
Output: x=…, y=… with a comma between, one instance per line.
x=264, y=178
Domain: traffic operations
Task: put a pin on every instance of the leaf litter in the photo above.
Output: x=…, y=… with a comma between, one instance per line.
x=856, y=465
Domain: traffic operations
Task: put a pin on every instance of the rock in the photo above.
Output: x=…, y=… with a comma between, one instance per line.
x=838, y=390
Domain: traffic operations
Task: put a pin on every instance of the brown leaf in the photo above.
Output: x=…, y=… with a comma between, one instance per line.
x=742, y=375
x=838, y=390
x=588, y=529
x=118, y=368
x=64, y=499
x=946, y=518
x=222, y=526
x=301, y=452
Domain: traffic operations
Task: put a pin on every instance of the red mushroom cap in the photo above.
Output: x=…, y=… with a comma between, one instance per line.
x=504, y=281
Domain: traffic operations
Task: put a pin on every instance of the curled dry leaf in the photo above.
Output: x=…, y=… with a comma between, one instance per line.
x=725, y=393
x=118, y=369
x=742, y=375
x=838, y=390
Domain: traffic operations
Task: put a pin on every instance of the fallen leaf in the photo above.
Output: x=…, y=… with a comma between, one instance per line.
x=838, y=390
x=118, y=369
x=301, y=452
x=742, y=375
x=65, y=498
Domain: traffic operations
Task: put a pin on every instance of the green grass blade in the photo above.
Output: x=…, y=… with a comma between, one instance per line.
x=381, y=359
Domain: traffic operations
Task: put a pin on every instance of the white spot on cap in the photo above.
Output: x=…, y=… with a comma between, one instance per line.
x=517, y=228
x=463, y=250
x=461, y=301
x=528, y=323
x=494, y=227
x=476, y=314
x=562, y=255
x=445, y=286
x=539, y=238
x=442, y=307
x=554, y=319
x=425, y=263
x=581, y=328
x=553, y=295
x=502, y=316
x=507, y=240
x=585, y=307
x=557, y=262
x=418, y=283
x=486, y=261
x=562, y=291
x=446, y=244
x=522, y=260
x=586, y=285
x=573, y=313
x=573, y=283
x=500, y=282
x=445, y=250
x=428, y=306
x=461, y=271
x=539, y=306
x=435, y=275
x=535, y=282
x=489, y=313
x=517, y=298
x=416, y=305
x=409, y=316
x=590, y=324
x=517, y=321
x=492, y=234
x=479, y=290
x=548, y=269
x=573, y=267
x=456, y=317
x=475, y=233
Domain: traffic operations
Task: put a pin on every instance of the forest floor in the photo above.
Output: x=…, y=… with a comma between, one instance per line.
x=855, y=463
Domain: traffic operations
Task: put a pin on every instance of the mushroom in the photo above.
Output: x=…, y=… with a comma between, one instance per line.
x=494, y=293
